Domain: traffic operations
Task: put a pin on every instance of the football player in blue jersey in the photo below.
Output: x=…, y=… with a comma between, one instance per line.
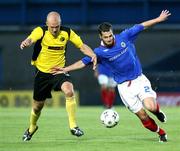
x=107, y=85
x=118, y=54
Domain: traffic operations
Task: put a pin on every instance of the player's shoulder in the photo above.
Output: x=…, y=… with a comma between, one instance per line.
x=44, y=28
x=68, y=30
x=39, y=30
x=117, y=36
x=101, y=49
x=65, y=28
x=97, y=50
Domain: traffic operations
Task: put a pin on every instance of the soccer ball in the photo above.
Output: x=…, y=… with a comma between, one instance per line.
x=109, y=118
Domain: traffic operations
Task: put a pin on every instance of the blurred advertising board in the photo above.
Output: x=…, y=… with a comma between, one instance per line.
x=24, y=99
x=168, y=98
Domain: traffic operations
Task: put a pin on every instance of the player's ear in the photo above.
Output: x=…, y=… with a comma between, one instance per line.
x=100, y=36
x=46, y=23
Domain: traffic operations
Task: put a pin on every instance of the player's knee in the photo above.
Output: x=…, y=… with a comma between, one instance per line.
x=37, y=107
x=67, y=88
x=150, y=105
x=36, y=110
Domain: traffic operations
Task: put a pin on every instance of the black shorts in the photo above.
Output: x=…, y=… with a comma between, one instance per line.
x=44, y=83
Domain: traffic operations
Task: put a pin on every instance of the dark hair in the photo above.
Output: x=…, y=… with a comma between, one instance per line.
x=104, y=27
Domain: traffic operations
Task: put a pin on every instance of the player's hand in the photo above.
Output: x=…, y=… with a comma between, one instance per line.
x=94, y=60
x=25, y=43
x=57, y=70
x=164, y=15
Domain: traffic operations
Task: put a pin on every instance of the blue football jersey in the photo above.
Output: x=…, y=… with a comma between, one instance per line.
x=104, y=70
x=121, y=59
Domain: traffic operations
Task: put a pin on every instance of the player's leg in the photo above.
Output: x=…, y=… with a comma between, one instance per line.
x=67, y=88
x=111, y=91
x=35, y=114
x=106, y=95
x=110, y=95
x=129, y=95
x=42, y=90
x=151, y=105
x=148, y=96
x=151, y=125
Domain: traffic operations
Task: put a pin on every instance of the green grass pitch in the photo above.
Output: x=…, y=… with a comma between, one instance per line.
x=54, y=135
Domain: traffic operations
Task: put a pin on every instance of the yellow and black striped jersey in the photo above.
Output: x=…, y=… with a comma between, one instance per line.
x=53, y=49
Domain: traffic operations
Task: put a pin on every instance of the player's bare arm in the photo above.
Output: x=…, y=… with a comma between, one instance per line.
x=88, y=51
x=162, y=17
x=77, y=65
x=26, y=43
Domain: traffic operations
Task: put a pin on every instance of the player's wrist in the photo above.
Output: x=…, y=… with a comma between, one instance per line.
x=94, y=55
x=158, y=20
x=65, y=70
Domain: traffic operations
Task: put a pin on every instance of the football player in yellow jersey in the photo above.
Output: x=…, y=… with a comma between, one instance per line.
x=49, y=51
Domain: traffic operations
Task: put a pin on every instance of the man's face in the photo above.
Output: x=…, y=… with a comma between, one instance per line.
x=54, y=27
x=107, y=38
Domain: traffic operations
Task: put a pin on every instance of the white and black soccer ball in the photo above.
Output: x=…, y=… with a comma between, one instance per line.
x=109, y=118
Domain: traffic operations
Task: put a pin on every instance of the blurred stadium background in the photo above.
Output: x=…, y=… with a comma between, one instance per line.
x=158, y=47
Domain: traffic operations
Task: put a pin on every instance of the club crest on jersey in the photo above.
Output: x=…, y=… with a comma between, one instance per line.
x=123, y=44
x=62, y=39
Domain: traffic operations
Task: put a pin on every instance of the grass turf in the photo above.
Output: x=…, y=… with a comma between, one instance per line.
x=54, y=135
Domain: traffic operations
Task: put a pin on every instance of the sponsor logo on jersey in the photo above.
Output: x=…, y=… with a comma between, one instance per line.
x=105, y=50
x=118, y=55
x=56, y=48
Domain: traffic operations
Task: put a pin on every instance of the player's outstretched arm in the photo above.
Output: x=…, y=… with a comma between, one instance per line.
x=162, y=17
x=26, y=43
x=77, y=65
x=88, y=51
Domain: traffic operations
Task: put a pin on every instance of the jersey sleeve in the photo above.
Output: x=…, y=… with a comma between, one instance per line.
x=86, y=60
x=75, y=39
x=133, y=31
x=36, y=34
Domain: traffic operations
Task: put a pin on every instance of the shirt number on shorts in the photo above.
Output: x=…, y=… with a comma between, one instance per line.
x=146, y=89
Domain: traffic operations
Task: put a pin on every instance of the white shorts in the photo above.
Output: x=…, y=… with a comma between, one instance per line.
x=134, y=92
x=107, y=81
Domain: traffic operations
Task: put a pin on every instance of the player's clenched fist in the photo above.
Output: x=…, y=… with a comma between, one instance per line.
x=26, y=43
